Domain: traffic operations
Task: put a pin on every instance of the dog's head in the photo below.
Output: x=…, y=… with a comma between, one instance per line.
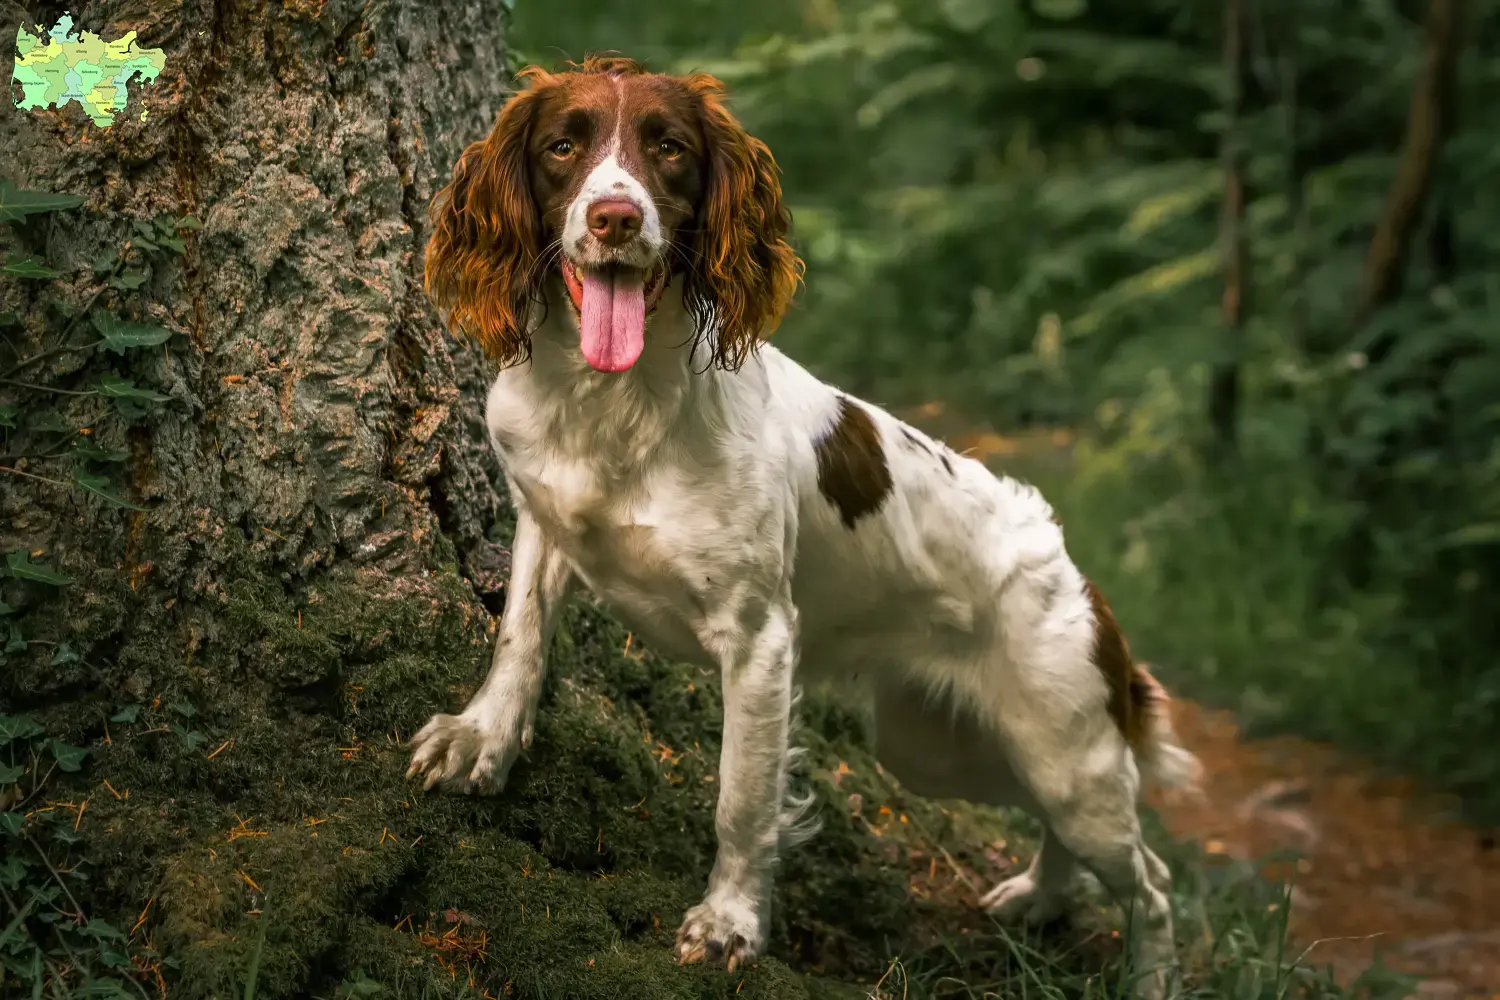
x=606, y=182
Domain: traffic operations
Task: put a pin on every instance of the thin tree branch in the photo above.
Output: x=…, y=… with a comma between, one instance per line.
x=1427, y=125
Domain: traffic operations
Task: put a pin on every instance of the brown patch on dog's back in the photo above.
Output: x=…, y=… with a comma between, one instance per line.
x=1132, y=689
x=852, y=471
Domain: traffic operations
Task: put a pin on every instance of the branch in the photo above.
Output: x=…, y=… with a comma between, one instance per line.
x=1427, y=126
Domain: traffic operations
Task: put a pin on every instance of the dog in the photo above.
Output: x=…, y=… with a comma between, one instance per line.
x=617, y=245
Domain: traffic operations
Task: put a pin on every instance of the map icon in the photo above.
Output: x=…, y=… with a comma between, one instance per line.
x=61, y=65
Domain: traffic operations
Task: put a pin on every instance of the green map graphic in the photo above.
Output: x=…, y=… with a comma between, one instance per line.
x=63, y=66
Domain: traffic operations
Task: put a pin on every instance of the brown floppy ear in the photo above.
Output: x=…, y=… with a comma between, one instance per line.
x=486, y=236
x=742, y=273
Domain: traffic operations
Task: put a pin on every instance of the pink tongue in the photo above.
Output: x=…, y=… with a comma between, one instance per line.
x=614, y=318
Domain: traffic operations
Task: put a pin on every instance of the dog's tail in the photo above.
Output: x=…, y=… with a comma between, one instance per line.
x=1138, y=703
x=1161, y=758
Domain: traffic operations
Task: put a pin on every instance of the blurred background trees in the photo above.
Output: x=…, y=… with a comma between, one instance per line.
x=1246, y=250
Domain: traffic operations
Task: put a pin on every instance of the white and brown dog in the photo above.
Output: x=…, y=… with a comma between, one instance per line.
x=617, y=244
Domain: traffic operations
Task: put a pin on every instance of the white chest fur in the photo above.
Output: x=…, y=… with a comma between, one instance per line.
x=655, y=516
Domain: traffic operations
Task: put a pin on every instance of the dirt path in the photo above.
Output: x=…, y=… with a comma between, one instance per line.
x=1379, y=869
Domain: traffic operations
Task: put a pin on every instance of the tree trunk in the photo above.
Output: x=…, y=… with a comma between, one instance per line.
x=1428, y=125
x=1427, y=128
x=1224, y=377
x=319, y=469
x=312, y=427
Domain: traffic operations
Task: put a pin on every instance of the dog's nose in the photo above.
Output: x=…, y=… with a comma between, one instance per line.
x=614, y=220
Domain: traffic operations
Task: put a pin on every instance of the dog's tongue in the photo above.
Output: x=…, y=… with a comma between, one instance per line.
x=614, y=317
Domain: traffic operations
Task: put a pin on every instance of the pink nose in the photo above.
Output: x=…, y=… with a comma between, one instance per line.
x=614, y=220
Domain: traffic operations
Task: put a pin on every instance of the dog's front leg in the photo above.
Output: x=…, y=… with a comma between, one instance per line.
x=757, y=664
x=474, y=750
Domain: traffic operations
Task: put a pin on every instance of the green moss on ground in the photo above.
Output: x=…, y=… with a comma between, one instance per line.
x=257, y=817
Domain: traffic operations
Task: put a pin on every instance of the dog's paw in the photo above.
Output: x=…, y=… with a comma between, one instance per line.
x=461, y=754
x=722, y=932
x=1021, y=899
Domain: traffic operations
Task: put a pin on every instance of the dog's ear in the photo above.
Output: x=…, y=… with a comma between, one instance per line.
x=742, y=273
x=486, y=237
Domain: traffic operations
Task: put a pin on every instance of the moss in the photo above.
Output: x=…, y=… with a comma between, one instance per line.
x=260, y=791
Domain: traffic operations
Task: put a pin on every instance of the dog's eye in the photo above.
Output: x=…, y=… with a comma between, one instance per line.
x=562, y=148
x=670, y=148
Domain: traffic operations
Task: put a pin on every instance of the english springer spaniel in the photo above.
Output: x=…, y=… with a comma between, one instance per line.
x=617, y=244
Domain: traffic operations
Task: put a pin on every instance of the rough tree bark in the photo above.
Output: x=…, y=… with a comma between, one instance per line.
x=314, y=386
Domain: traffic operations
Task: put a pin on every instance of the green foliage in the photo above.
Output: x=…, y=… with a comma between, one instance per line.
x=48, y=432
x=55, y=431
x=49, y=945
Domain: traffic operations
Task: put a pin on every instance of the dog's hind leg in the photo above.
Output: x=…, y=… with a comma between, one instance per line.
x=1084, y=784
x=941, y=751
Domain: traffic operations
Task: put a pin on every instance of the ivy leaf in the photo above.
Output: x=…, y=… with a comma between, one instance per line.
x=123, y=388
x=99, y=486
x=69, y=758
x=114, y=959
x=121, y=335
x=189, y=222
x=28, y=268
x=191, y=738
x=101, y=930
x=92, y=451
x=63, y=654
x=22, y=568
x=16, y=203
x=173, y=243
x=184, y=709
x=17, y=642
x=127, y=281
x=8, y=414
x=127, y=715
x=52, y=422
x=12, y=822
x=11, y=773
x=17, y=727
x=105, y=262
x=145, y=235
